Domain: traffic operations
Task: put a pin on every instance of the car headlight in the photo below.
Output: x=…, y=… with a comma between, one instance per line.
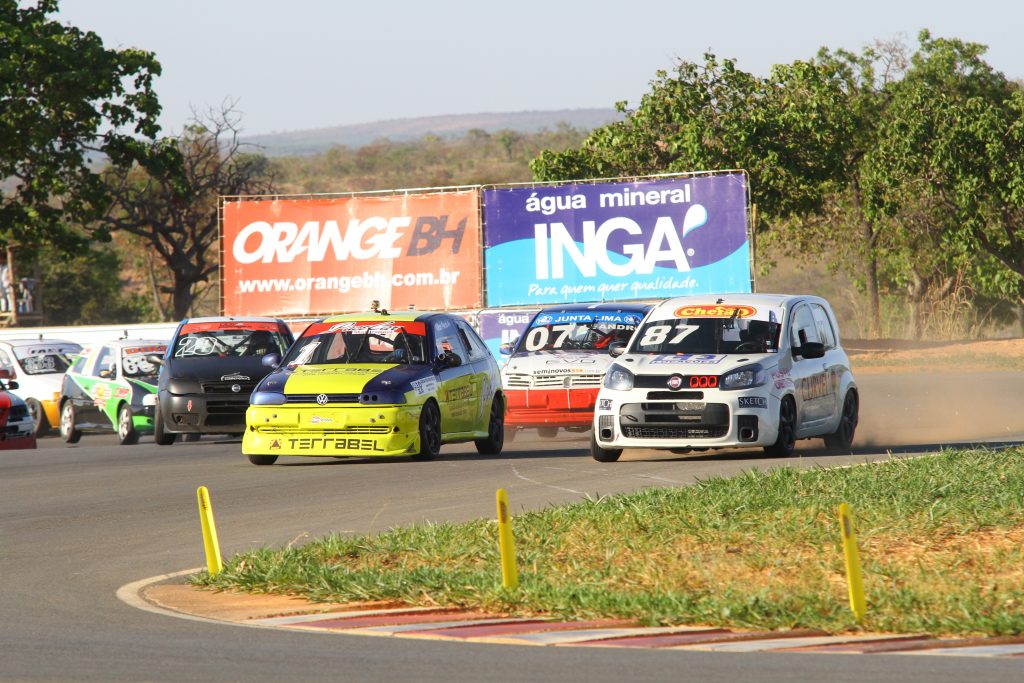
x=743, y=378
x=618, y=378
x=179, y=387
x=267, y=398
x=383, y=397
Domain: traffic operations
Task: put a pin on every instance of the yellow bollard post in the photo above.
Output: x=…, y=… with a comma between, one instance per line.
x=509, y=572
x=853, y=575
x=210, y=543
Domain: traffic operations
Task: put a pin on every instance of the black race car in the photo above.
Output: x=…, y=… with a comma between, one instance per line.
x=208, y=372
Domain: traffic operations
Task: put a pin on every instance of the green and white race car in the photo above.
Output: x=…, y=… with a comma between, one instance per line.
x=111, y=387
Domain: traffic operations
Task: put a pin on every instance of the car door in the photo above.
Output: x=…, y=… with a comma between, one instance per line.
x=810, y=375
x=454, y=382
x=834, y=362
x=480, y=359
x=104, y=385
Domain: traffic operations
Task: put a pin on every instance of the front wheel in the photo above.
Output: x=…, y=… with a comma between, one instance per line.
x=262, y=459
x=842, y=438
x=68, y=430
x=126, y=432
x=603, y=454
x=161, y=435
x=495, y=430
x=430, y=432
x=39, y=422
x=785, y=441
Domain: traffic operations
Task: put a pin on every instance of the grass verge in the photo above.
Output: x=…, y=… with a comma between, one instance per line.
x=941, y=541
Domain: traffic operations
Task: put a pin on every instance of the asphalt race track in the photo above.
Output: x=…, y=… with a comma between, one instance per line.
x=77, y=523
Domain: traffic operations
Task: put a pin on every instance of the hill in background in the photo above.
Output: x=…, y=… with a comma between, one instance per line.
x=319, y=140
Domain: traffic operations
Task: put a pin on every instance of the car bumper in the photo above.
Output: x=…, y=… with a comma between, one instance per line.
x=204, y=414
x=630, y=420
x=550, y=407
x=312, y=431
x=17, y=436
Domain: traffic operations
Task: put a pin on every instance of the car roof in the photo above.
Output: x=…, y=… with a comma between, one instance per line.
x=233, y=318
x=127, y=343
x=611, y=307
x=402, y=316
x=736, y=299
x=22, y=343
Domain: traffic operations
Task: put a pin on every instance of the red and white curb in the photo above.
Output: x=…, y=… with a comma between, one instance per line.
x=488, y=628
x=453, y=624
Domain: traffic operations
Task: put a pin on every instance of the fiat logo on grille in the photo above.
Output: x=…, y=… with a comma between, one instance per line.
x=321, y=399
x=236, y=388
x=675, y=381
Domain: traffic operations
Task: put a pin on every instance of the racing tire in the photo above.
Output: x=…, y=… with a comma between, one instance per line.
x=40, y=425
x=67, y=423
x=495, y=429
x=842, y=438
x=603, y=454
x=785, y=440
x=547, y=432
x=430, y=432
x=127, y=435
x=160, y=435
x=262, y=459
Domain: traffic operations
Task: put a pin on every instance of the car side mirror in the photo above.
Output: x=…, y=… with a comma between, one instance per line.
x=12, y=384
x=810, y=350
x=617, y=348
x=448, y=359
x=155, y=359
x=506, y=349
x=271, y=360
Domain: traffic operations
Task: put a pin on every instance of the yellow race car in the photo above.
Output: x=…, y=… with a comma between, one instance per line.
x=375, y=384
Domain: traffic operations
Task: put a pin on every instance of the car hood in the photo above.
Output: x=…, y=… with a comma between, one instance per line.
x=343, y=379
x=217, y=369
x=559, y=361
x=693, y=363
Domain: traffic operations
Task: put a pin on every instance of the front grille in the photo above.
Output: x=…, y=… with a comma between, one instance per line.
x=331, y=398
x=358, y=429
x=560, y=381
x=186, y=419
x=704, y=432
x=675, y=395
x=245, y=387
x=226, y=407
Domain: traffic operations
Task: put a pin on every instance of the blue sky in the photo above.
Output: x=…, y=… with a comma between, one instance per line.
x=317, y=63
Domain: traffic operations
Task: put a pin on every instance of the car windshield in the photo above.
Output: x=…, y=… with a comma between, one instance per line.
x=353, y=342
x=224, y=339
x=135, y=365
x=44, y=363
x=578, y=330
x=737, y=331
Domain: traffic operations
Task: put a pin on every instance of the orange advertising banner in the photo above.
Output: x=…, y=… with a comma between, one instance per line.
x=331, y=255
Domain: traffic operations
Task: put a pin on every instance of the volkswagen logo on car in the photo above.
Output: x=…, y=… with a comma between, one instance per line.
x=321, y=399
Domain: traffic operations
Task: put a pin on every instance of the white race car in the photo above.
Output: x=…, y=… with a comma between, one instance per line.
x=731, y=370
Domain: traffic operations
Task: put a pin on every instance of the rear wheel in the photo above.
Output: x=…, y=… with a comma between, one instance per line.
x=262, y=459
x=68, y=432
x=430, y=432
x=603, y=454
x=785, y=442
x=160, y=435
x=843, y=436
x=495, y=429
x=39, y=422
x=126, y=432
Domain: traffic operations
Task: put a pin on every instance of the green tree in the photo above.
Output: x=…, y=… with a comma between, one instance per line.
x=65, y=102
x=85, y=289
x=174, y=212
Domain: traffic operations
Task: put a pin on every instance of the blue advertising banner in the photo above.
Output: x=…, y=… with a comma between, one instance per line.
x=644, y=239
x=499, y=327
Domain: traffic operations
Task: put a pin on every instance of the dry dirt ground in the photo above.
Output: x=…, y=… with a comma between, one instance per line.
x=873, y=356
